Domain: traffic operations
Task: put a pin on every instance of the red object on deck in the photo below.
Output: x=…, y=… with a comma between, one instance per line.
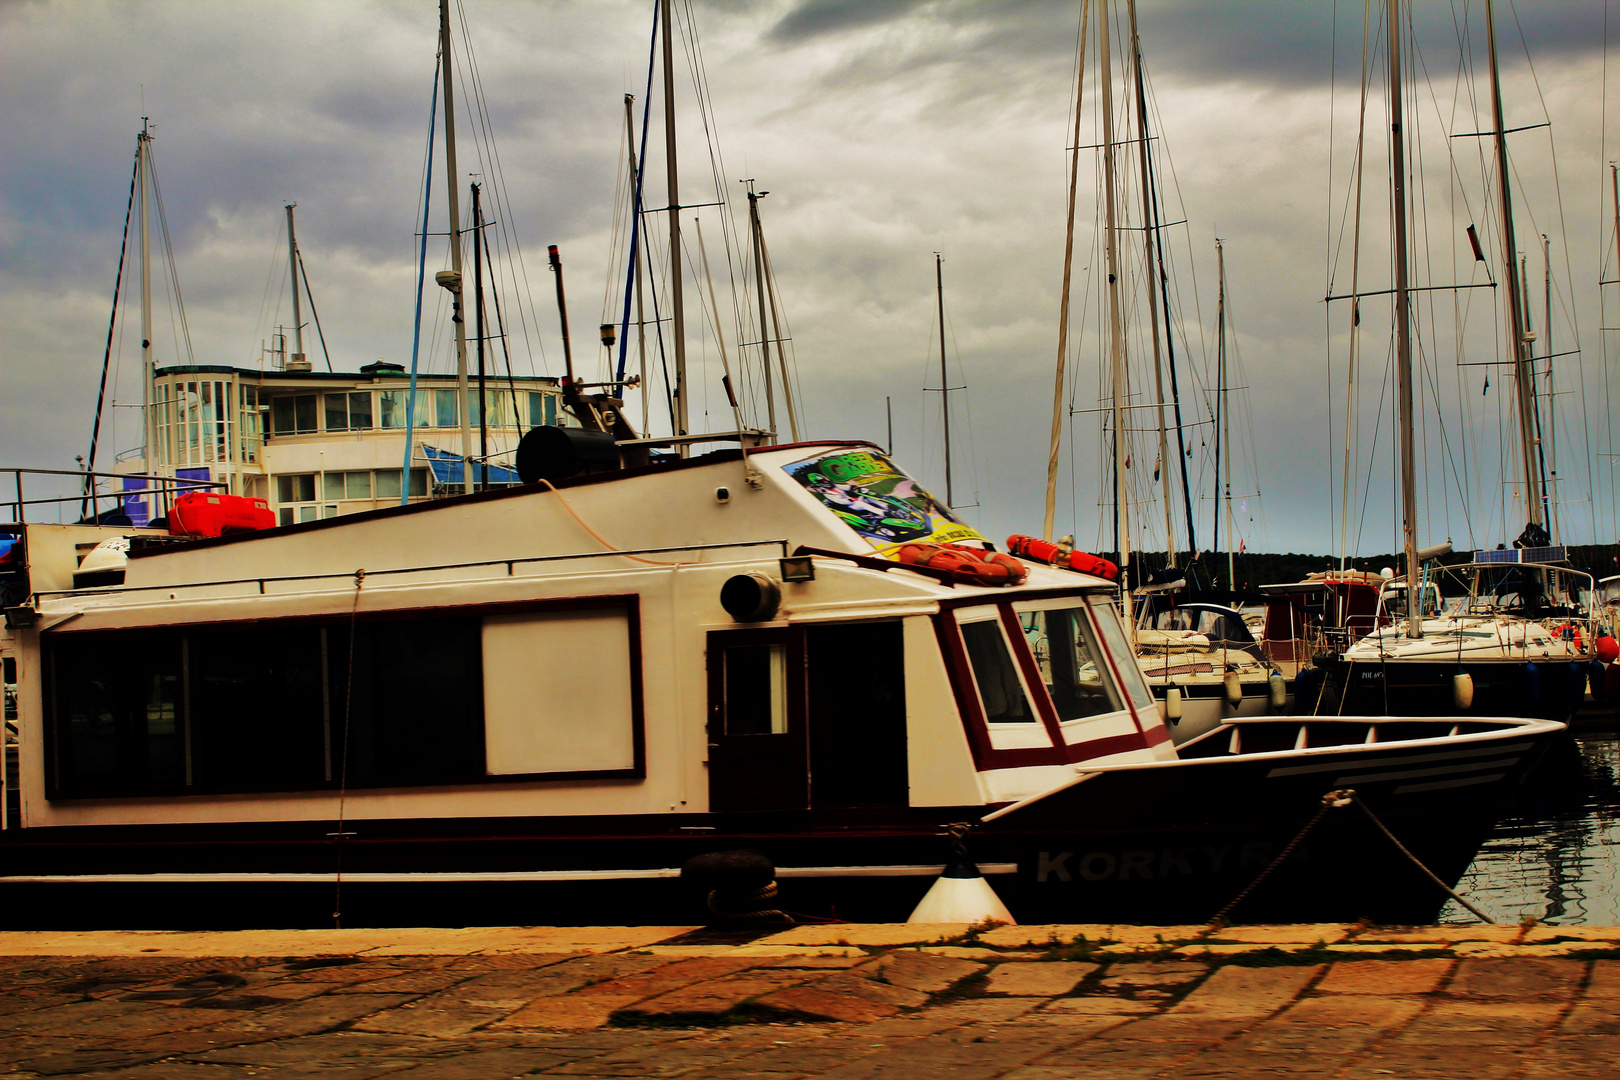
x=968, y=564
x=1045, y=551
x=199, y=513
x=1606, y=649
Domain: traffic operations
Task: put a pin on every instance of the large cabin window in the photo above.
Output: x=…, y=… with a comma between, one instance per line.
x=996, y=672
x=1070, y=662
x=383, y=701
x=268, y=707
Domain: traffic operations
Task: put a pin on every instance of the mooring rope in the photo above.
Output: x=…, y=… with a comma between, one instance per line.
x=1336, y=798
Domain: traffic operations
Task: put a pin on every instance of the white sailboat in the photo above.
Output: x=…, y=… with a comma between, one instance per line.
x=1520, y=636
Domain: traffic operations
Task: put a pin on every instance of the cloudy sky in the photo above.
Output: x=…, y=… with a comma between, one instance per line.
x=885, y=131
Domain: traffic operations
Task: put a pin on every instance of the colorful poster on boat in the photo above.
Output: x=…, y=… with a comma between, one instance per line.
x=887, y=507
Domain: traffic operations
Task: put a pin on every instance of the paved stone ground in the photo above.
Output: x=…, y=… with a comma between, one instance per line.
x=839, y=1002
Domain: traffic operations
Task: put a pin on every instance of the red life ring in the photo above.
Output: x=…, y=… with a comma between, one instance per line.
x=1044, y=551
x=972, y=565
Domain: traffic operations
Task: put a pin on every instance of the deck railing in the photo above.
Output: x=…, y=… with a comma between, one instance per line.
x=161, y=489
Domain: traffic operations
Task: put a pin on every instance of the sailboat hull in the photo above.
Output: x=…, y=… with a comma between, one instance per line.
x=1553, y=690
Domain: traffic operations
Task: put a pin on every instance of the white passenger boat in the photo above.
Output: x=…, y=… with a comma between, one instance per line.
x=538, y=703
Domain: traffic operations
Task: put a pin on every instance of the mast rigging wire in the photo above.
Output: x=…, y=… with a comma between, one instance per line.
x=421, y=275
x=112, y=322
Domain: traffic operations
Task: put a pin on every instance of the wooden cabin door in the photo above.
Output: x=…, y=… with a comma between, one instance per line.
x=757, y=746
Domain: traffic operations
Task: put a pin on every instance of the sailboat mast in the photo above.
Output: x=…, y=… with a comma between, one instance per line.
x=1116, y=337
x=677, y=303
x=1063, y=306
x=1523, y=365
x=478, y=329
x=1148, y=236
x=292, y=268
x=636, y=255
x=143, y=160
x=776, y=330
x=944, y=382
x=759, y=282
x=1403, y=325
x=1223, y=424
x=451, y=181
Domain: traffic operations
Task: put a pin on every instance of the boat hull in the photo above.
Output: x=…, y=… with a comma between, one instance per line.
x=1425, y=687
x=1165, y=843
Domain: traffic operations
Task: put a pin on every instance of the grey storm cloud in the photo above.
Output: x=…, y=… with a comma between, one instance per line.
x=885, y=131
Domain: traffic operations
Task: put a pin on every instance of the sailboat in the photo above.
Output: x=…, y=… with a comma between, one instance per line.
x=1520, y=637
x=1200, y=659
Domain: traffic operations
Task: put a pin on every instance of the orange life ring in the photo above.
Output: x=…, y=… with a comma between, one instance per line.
x=972, y=565
x=1061, y=556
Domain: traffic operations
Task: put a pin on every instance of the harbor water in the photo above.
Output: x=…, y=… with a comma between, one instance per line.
x=1557, y=859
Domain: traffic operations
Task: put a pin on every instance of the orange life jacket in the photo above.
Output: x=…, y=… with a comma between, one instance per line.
x=972, y=565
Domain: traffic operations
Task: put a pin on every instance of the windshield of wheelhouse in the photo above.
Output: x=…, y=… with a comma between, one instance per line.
x=1124, y=665
x=1070, y=662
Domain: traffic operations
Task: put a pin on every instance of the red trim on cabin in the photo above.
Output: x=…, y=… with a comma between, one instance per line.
x=1110, y=744
x=1032, y=674
x=966, y=692
x=1119, y=681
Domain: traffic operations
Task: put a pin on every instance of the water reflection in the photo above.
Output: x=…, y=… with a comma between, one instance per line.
x=1558, y=859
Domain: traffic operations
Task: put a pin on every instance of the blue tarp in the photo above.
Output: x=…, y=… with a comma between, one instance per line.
x=447, y=468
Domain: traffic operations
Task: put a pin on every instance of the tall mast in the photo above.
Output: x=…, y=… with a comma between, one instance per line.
x=1223, y=423
x=450, y=176
x=292, y=268
x=143, y=159
x=1403, y=324
x=1148, y=235
x=1063, y=308
x=636, y=256
x=1547, y=353
x=478, y=329
x=681, y=411
x=776, y=330
x=1116, y=337
x=759, y=281
x=944, y=382
x=1523, y=364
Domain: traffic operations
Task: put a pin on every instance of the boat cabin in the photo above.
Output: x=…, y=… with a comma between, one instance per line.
x=719, y=635
x=1326, y=612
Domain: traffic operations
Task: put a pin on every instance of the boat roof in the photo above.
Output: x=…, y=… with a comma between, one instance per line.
x=842, y=500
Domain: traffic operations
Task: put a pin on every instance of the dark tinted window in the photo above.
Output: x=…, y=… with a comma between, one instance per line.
x=256, y=710
x=996, y=674
x=118, y=714
x=242, y=708
x=857, y=714
x=415, y=708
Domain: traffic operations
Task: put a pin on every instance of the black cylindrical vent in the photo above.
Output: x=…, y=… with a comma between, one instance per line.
x=556, y=453
x=751, y=597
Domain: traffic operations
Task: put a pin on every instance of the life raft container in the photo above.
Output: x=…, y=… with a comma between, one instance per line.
x=973, y=565
x=1061, y=556
x=202, y=514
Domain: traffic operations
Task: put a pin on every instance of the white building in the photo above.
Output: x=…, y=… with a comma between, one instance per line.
x=321, y=444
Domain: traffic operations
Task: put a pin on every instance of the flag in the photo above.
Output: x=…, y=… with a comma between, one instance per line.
x=1243, y=545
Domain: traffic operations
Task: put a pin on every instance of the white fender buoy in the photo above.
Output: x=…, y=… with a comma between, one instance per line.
x=1172, y=705
x=1462, y=690
x=1279, y=690
x=1234, y=689
x=961, y=895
